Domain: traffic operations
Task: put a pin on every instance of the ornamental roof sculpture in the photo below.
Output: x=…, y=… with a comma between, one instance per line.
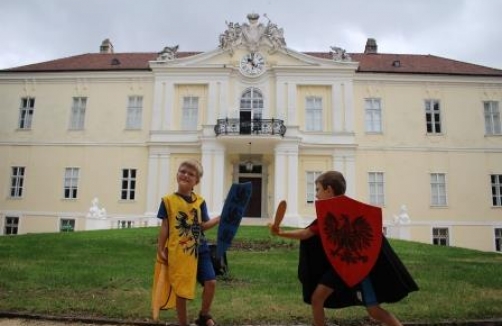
x=338, y=54
x=252, y=35
x=168, y=53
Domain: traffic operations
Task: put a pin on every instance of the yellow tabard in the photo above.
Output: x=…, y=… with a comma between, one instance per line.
x=178, y=278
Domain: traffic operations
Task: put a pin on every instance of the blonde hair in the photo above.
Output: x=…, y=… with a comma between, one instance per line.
x=194, y=164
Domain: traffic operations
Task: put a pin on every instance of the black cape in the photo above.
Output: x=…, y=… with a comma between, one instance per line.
x=389, y=277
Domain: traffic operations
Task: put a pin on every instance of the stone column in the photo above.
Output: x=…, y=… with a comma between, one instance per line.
x=344, y=162
x=159, y=180
x=286, y=181
x=337, y=116
x=212, y=183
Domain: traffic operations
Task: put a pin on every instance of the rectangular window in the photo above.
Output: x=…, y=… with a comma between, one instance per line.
x=26, y=112
x=498, y=239
x=128, y=191
x=433, y=116
x=496, y=181
x=123, y=224
x=440, y=237
x=310, y=186
x=71, y=183
x=190, y=111
x=11, y=225
x=373, y=115
x=438, y=189
x=313, y=113
x=134, y=112
x=17, y=182
x=492, y=118
x=67, y=225
x=78, y=113
x=376, y=188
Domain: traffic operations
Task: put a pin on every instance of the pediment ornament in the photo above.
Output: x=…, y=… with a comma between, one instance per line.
x=252, y=35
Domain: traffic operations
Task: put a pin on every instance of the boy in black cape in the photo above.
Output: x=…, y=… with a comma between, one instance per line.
x=388, y=280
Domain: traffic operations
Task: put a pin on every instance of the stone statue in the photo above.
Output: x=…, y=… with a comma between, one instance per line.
x=339, y=54
x=95, y=211
x=275, y=35
x=168, y=53
x=403, y=218
x=252, y=35
x=253, y=32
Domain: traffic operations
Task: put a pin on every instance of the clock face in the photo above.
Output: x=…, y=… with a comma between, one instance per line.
x=252, y=64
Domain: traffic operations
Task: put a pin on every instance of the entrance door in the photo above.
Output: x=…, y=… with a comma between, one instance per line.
x=254, y=205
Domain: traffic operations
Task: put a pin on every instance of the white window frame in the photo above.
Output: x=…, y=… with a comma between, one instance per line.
x=496, y=187
x=125, y=224
x=438, y=190
x=11, y=223
x=17, y=181
x=310, y=177
x=376, y=188
x=128, y=184
x=67, y=225
x=441, y=236
x=26, y=112
x=497, y=239
x=134, y=118
x=252, y=100
x=77, y=117
x=493, y=122
x=313, y=113
x=71, y=178
x=433, y=116
x=190, y=112
x=373, y=115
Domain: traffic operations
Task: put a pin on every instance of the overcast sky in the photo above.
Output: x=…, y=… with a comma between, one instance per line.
x=34, y=31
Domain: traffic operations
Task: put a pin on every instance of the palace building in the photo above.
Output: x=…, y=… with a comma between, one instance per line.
x=93, y=141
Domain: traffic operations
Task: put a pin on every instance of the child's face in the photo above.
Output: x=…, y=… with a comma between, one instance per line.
x=187, y=178
x=321, y=193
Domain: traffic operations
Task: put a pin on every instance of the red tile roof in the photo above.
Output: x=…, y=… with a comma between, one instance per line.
x=368, y=63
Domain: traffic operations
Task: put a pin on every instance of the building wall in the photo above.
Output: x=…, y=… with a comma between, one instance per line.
x=403, y=151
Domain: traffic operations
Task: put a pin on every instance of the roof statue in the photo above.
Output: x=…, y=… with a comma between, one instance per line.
x=168, y=53
x=339, y=54
x=252, y=35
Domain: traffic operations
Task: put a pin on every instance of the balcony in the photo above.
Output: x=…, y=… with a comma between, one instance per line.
x=249, y=127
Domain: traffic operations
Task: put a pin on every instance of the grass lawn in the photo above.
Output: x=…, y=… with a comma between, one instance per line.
x=108, y=274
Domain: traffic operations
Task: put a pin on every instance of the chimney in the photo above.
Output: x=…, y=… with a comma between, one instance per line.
x=371, y=46
x=106, y=47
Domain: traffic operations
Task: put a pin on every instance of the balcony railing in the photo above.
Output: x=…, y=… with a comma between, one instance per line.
x=249, y=127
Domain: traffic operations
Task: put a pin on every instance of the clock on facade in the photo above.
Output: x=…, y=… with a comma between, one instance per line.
x=252, y=64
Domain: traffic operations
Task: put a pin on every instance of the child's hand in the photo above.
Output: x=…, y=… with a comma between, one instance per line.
x=163, y=256
x=274, y=229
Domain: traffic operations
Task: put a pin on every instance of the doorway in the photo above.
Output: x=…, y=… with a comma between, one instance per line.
x=254, y=206
x=245, y=122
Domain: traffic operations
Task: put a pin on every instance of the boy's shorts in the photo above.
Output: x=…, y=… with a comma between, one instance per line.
x=205, y=269
x=364, y=290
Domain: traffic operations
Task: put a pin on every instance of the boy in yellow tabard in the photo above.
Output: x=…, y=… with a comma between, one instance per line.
x=183, y=255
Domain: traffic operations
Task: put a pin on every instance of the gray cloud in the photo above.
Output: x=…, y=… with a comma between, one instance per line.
x=41, y=30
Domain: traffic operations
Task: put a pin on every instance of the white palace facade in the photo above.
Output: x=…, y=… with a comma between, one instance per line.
x=93, y=141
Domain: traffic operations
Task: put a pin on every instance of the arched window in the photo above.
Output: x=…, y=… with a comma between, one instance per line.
x=251, y=109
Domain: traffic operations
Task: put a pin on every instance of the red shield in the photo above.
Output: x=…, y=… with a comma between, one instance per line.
x=351, y=234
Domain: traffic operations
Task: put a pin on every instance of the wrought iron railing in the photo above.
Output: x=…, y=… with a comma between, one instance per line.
x=249, y=127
